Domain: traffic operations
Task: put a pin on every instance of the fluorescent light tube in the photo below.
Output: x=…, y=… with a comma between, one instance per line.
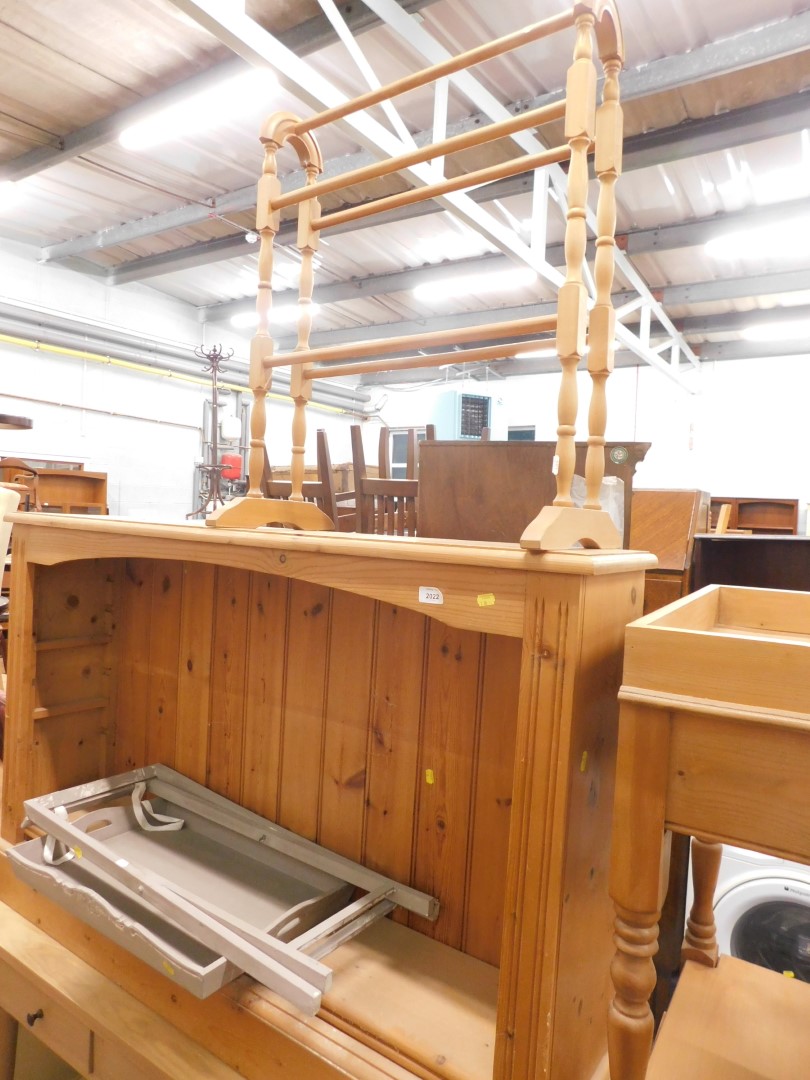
x=9, y=195
x=278, y=316
x=779, y=331
x=211, y=108
x=482, y=282
x=783, y=240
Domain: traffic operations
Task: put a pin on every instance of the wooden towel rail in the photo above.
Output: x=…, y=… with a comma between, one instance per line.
x=589, y=128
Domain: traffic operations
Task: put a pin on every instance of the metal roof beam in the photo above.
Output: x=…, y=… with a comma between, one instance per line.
x=707, y=292
x=741, y=126
x=730, y=322
x=306, y=38
x=363, y=288
x=184, y=258
x=759, y=46
x=752, y=350
x=693, y=233
x=662, y=238
x=637, y=242
x=765, y=120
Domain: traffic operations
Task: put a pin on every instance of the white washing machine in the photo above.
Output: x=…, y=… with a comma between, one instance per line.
x=762, y=910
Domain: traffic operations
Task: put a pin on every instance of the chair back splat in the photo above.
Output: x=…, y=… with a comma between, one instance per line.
x=385, y=505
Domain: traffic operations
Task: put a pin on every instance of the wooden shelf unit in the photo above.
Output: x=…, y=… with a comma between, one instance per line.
x=73, y=491
x=70, y=490
x=303, y=676
x=758, y=515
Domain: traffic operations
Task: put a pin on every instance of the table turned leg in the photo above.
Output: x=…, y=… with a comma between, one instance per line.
x=630, y=1019
x=700, y=939
x=639, y=875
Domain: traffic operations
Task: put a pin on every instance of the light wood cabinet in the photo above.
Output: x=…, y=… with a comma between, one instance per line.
x=73, y=491
x=67, y=490
x=90, y=1023
x=465, y=747
x=49, y=1020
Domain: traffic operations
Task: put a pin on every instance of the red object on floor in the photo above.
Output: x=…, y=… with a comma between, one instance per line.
x=233, y=463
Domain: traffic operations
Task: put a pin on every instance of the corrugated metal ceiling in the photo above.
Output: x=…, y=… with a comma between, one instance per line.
x=72, y=65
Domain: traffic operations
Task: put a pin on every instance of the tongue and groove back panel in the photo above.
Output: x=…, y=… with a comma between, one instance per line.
x=376, y=731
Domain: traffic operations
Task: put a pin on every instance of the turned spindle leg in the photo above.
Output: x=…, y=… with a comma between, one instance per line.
x=700, y=939
x=580, y=124
x=608, y=163
x=630, y=1019
x=638, y=880
x=261, y=347
x=300, y=385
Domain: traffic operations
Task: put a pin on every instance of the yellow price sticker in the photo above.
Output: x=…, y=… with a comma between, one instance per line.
x=429, y=776
x=486, y=599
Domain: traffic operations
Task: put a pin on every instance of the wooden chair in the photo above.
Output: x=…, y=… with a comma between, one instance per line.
x=665, y=522
x=714, y=742
x=384, y=505
x=723, y=518
x=411, y=454
x=336, y=505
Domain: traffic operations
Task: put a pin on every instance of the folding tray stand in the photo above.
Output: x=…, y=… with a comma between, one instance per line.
x=199, y=887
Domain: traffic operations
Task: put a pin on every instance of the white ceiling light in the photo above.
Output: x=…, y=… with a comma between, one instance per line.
x=278, y=316
x=9, y=195
x=478, y=284
x=783, y=240
x=779, y=331
x=209, y=109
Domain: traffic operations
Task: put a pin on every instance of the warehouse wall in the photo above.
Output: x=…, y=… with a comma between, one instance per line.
x=743, y=433
x=144, y=431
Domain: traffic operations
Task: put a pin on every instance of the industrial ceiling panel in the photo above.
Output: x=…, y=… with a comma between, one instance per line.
x=717, y=123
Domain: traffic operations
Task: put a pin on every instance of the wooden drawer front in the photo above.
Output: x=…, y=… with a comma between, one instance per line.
x=57, y=1028
x=113, y=1062
x=171, y=1056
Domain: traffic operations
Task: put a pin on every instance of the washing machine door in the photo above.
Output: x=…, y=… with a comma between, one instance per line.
x=765, y=919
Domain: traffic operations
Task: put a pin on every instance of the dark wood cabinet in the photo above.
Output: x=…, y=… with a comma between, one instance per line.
x=765, y=562
x=759, y=515
x=493, y=490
